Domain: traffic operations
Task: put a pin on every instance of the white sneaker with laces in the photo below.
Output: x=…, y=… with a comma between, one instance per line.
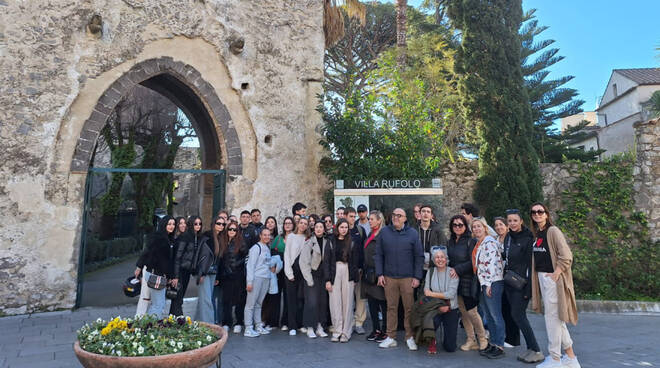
x=292, y=332
x=303, y=329
x=550, y=363
x=262, y=331
x=268, y=328
x=310, y=333
x=387, y=343
x=284, y=328
x=411, y=344
x=320, y=332
x=250, y=332
x=238, y=329
x=568, y=362
x=507, y=345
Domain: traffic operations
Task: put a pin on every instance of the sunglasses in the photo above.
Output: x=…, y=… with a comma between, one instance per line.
x=232, y=229
x=537, y=212
x=220, y=223
x=458, y=225
x=197, y=224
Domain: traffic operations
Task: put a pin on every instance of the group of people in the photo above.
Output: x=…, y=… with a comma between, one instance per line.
x=316, y=274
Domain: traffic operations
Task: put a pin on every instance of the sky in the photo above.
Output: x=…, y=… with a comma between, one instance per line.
x=595, y=37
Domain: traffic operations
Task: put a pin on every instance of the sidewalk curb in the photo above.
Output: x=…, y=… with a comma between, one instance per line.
x=618, y=307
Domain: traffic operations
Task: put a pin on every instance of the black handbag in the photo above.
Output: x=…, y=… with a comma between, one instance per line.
x=171, y=292
x=157, y=282
x=514, y=280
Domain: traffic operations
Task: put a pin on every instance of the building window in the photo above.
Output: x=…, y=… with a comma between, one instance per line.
x=616, y=93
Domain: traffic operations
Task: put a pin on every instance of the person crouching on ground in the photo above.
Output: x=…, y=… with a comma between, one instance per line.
x=439, y=284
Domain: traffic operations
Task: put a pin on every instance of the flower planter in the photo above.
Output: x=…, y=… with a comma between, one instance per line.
x=202, y=357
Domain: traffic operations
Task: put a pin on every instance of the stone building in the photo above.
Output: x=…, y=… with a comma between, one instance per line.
x=247, y=73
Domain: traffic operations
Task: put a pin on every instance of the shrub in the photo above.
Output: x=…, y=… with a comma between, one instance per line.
x=614, y=257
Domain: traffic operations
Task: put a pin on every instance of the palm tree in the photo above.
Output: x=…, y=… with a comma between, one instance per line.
x=333, y=19
x=401, y=29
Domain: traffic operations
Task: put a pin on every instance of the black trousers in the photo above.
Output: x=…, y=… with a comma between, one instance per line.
x=449, y=323
x=511, y=330
x=233, y=296
x=176, y=308
x=313, y=306
x=294, y=303
x=375, y=306
x=518, y=312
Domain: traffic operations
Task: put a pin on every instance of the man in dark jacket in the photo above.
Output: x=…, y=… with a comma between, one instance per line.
x=430, y=233
x=250, y=234
x=399, y=259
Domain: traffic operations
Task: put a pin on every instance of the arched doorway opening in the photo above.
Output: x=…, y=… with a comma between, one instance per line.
x=192, y=101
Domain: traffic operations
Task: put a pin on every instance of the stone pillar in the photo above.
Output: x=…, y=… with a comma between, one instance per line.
x=647, y=174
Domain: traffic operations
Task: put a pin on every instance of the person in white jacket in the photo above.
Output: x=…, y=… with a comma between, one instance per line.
x=294, y=278
x=258, y=271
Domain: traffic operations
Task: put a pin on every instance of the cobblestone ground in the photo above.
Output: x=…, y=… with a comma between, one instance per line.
x=601, y=340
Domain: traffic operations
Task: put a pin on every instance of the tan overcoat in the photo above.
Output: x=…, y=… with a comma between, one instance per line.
x=562, y=257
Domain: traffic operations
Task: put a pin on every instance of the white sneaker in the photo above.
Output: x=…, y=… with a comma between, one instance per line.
x=320, y=332
x=262, y=331
x=411, y=344
x=550, y=363
x=292, y=332
x=237, y=329
x=284, y=328
x=569, y=362
x=310, y=333
x=387, y=343
x=226, y=328
x=268, y=328
x=507, y=345
x=359, y=330
x=303, y=329
x=250, y=332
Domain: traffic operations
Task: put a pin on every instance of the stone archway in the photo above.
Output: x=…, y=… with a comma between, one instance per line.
x=186, y=88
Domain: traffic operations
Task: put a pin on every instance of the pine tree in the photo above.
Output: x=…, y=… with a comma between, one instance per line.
x=496, y=101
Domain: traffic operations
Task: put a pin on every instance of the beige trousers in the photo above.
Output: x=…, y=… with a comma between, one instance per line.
x=360, y=306
x=395, y=288
x=558, y=336
x=471, y=321
x=341, y=302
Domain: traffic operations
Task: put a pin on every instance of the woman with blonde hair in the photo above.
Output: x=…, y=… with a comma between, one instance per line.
x=552, y=281
x=488, y=266
x=375, y=294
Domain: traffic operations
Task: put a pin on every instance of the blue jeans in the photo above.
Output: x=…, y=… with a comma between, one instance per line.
x=492, y=307
x=204, y=311
x=157, y=299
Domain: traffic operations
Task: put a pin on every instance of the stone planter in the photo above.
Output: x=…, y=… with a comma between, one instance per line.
x=202, y=357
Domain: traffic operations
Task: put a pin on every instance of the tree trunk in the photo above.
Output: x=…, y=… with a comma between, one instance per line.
x=401, y=28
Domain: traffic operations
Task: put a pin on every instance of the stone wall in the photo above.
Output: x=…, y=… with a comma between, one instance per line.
x=63, y=64
x=647, y=174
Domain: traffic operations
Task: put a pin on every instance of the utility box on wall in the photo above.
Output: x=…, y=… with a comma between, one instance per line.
x=386, y=195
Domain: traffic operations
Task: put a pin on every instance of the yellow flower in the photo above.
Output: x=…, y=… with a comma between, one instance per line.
x=105, y=331
x=188, y=320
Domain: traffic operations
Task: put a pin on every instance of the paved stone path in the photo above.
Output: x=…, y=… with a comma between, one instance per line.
x=601, y=340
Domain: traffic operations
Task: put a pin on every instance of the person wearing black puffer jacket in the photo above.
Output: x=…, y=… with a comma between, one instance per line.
x=231, y=276
x=517, y=256
x=459, y=251
x=185, y=261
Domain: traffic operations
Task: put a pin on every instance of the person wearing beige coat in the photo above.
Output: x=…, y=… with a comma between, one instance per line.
x=552, y=287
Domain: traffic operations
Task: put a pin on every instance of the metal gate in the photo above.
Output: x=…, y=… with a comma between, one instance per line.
x=219, y=193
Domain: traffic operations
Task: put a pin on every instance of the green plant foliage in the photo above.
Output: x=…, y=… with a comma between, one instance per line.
x=496, y=102
x=614, y=258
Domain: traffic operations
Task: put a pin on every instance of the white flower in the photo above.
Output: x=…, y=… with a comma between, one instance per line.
x=208, y=338
x=199, y=343
x=90, y=337
x=138, y=335
x=99, y=320
x=174, y=350
x=172, y=343
x=140, y=350
x=118, y=352
x=152, y=336
x=105, y=344
x=134, y=345
x=179, y=345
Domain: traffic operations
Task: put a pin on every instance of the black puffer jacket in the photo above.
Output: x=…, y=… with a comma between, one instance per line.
x=233, y=263
x=518, y=251
x=187, y=252
x=158, y=257
x=460, y=259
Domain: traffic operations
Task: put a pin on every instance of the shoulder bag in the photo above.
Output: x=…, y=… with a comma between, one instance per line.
x=156, y=282
x=511, y=278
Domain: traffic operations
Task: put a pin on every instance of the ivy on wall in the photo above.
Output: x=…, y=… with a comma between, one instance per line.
x=614, y=258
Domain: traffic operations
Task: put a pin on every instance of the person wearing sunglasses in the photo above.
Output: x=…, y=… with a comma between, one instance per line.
x=552, y=282
x=329, y=226
x=219, y=227
x=185, y=261
x=459, y=250
x=232, y=280
x=294, y=278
